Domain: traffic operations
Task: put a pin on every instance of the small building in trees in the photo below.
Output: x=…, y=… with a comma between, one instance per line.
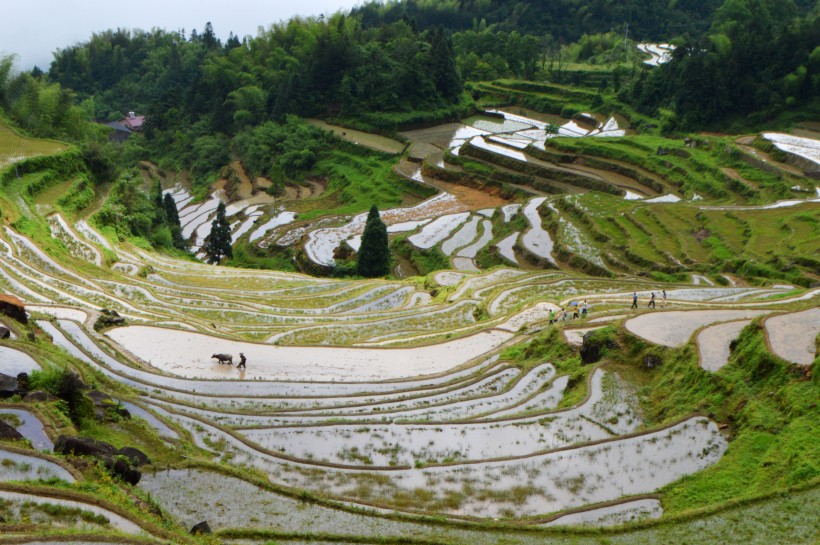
x=133, y=121
x=119, y=132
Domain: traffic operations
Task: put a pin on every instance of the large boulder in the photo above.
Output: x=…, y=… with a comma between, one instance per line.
x=8, y=385
x=116, y=461
x=13, y=307
x=201, y=528
x=22, y=383
x=38, y=395
x=83, y=446
x=108, y=318
x=650, y=361
x=121, y=467
x=8, y=433
x=135, y=456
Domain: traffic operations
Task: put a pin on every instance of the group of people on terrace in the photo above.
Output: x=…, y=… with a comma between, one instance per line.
x=578, y=311
x=651, y=303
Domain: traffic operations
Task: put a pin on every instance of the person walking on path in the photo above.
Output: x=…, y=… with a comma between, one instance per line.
x=242, y=360
x=584, y=309
x=664, y=298
x=552, y=316
x=652, y=301
x=634, y=299
x=575, y=314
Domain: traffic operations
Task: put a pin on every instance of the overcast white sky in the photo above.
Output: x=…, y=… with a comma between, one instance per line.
x=34, y=29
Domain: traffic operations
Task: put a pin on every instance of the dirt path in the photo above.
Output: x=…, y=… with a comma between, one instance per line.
x=245, y=189
x=470, y=198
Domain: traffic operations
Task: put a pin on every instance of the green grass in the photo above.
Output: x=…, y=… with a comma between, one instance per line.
x=252, y=257
x=14, y=147
x=693, y=170
x=355, y=182
x=759, y=245
x=768, y=405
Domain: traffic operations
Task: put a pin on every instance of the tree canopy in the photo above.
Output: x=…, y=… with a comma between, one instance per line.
x=759, y=59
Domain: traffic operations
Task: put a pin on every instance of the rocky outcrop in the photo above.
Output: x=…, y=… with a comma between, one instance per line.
x=122, y=462
x=135, y=456
x=10, y=386
x=38, y=396
x=22, y=383
x=5, y=332
x=201, y=528
x=8, y=433
x=105, y=406
x=14, y=308
x=83, y=446
x=593, y=347
x=108, y=318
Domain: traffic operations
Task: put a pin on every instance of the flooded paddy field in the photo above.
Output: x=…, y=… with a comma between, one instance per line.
x=15, y=466
x=557, y=480
x=443, y=425
x=498, y=436
x=14, y=362
x=612, y=515
x=29, y=427
x=792, y=336
x=83, y=515
x=674, y=328
x=186, y=354
x=714, y=343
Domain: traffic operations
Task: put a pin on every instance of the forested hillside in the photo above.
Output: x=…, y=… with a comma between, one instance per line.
x=759, y=59
x=566, y=20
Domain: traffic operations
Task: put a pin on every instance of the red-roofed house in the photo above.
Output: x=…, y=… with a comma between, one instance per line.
x=133, y=121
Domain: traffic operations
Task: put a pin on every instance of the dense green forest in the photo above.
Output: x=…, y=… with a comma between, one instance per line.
x=303, y=66
x=385, y=67
x=759, y=59
x=566, y=20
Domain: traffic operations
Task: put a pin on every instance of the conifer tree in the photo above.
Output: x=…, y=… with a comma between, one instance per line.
x=172, y=217
x=159, y=209
x=374, y=253
x=218, y=244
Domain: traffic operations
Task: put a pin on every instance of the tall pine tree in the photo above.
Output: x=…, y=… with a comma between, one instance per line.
x=374, y=253
x=218, y=245
x=172, y=217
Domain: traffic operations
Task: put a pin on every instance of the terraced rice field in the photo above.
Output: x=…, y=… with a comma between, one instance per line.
x=792, y=336
x=364, y=424
x=387, y=402
x=674, y=328
x=15, y=148
x=714, y=343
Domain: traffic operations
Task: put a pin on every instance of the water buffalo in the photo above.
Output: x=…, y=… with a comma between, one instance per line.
x=224, y=358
